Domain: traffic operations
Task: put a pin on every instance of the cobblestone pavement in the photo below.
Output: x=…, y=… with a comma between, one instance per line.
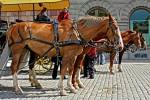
x=132, y=84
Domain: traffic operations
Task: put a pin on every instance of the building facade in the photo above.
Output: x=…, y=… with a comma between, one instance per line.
x=129, y=13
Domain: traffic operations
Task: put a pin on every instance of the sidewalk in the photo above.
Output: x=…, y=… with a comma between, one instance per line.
x=132, y=84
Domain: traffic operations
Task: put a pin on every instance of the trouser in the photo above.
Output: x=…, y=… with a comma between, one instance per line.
x=89, y=66
x=57, y=63
x=101, y=59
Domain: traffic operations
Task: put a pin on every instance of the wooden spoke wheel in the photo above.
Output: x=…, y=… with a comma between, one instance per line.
x=43, y=65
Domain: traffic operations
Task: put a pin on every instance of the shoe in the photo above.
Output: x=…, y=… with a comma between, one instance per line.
x=91, y=77
x=54, y=78
x=94, y=69
x=65, y=77
x=84, y=76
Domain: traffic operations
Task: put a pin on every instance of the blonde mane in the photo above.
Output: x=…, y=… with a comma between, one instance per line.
x=89, y=21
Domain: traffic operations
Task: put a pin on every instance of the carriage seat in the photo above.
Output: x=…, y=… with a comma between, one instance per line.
x=42, y=20
x=18, y=20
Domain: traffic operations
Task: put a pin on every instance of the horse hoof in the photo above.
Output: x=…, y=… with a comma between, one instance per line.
x=119, y=70
x=73, y=91
x=63, y=93
x=32, y=85
x=38, y=86
x=76, y=86
x=19, y=92
x=111, y=73
x=81, y=86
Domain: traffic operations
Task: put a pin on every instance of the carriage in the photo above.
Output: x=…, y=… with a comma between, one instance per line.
x=3, y=28
x=43, y=65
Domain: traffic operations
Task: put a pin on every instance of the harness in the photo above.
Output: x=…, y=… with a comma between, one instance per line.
x=55, y=43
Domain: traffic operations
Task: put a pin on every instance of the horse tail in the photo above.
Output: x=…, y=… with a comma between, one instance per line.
x=9, y=35
x=4, y=57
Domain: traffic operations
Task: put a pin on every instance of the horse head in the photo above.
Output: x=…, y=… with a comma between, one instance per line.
x=96, y=28
x=113, y=33
x=131, y=40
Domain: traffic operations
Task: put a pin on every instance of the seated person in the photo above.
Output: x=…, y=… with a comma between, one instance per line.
x=18, y=20
x=42, y=16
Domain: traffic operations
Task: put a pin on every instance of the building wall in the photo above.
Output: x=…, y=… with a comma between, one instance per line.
x=120, y=9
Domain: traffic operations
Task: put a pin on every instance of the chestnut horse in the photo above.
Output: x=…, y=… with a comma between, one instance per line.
x=127, y=47
x=39, y=38
x=129, y=38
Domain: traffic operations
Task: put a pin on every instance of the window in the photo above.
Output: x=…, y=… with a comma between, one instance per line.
x=97, y=11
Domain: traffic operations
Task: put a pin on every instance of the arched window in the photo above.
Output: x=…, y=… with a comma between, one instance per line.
x=140, y=21
x=97, y=11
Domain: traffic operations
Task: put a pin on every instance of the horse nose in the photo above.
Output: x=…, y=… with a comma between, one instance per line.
x=121, y=46
x=139, y=46
x=145, y=47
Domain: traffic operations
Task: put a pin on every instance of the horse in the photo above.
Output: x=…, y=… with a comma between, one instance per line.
x=128, y=45
x=39, y=38
x=129, y=38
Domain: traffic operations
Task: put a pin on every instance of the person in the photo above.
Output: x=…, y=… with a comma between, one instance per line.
x=64, y=14
x=116, y=58
x=89, y=62
x=57, y=62
x=42, y=16
x=101, y=58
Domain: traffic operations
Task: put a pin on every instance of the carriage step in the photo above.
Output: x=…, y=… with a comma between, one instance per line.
x=4, y=57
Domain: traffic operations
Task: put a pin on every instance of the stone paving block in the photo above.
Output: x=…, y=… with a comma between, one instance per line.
x=131, y=84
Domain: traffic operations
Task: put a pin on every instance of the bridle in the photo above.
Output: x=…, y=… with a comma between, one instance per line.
x=114, y=43
x=131, y=45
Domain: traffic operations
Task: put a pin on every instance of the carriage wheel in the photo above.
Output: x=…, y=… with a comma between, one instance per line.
x=43, y=65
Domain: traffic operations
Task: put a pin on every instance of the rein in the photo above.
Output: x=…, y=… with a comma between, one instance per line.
x=55, y=44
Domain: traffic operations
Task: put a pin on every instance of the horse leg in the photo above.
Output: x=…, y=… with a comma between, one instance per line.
x=16, y=58
x=112, y=57
x=80, y=84
x=67, y=63
x=32, y=74
x=120, y=59
x=76, y=73
x=70, y=70
x=62, y=74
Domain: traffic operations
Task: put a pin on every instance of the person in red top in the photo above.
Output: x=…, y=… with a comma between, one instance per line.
x=89, y=62
x=92, y=52
x=64, y=14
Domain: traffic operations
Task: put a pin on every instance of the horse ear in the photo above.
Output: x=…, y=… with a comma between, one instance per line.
x=110, y=17
x=141, y=34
